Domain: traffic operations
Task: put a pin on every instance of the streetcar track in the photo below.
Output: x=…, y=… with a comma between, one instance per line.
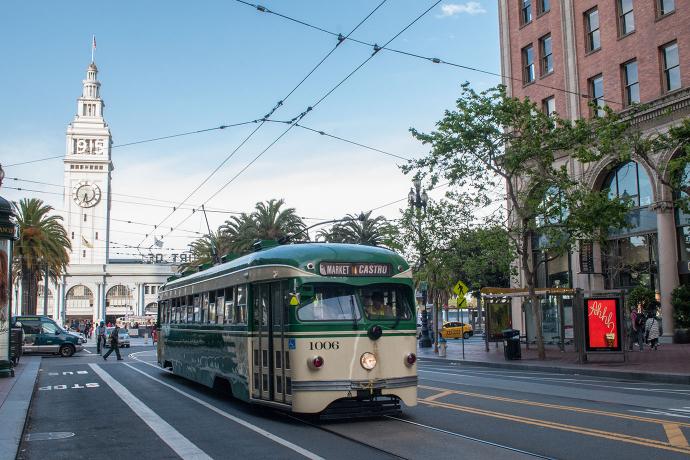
x=340, y=435
x=470, y=438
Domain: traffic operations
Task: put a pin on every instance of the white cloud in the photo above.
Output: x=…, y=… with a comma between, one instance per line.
x=471, y=8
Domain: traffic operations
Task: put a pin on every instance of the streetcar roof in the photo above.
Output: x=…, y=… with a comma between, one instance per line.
x=298, y=256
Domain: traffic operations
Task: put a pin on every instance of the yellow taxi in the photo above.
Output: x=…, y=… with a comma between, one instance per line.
x=455, y=330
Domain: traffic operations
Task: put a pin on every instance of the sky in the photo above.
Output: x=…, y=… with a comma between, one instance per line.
x=169, y=67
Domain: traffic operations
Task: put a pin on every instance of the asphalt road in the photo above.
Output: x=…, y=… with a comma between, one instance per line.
x=83, y=406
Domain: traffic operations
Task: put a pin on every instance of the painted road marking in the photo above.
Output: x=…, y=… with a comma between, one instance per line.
x=439, y=395
x=76, y=386
x=169, y=435
x=254, y=428
x=659, y=412
x=562, y=427
x=675, y=436
x=554, y=406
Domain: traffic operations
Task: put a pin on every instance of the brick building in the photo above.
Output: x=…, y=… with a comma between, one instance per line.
x=564, y=54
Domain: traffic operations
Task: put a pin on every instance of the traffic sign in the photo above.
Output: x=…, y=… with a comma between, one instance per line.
x=460, y=289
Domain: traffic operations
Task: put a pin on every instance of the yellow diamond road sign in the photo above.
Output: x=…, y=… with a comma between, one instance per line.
x=460, y=289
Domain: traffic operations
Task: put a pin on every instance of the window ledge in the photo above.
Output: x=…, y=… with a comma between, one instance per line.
x=664, y=16
x=621, y=37
x=544, y=13
x=530, y=83
x=589, y=53
x=547, y=74
x=522, y=25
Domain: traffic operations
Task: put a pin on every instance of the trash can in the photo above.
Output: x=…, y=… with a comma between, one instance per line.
x=16, y=341
x=511, y=344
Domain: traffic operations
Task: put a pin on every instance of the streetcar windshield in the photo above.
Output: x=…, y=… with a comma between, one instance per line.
x=384, y=302
x=330, y=303
x=342, y=303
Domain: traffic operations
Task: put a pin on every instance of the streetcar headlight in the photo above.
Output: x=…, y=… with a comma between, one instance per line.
x=368, y=361
x=410, y=359
x=315, y=362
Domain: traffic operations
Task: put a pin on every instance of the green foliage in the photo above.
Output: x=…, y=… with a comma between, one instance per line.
x=680, y=299
x=42, y=240
x=641, y=296
x=360, y=230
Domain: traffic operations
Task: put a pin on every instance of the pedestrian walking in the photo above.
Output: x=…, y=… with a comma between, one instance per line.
x=640, y=321
x=114, y=344
x=652, y=330
x=632, y=329
x=100, y=337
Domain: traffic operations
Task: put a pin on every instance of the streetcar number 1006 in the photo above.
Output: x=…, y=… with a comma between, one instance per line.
x=324, y=345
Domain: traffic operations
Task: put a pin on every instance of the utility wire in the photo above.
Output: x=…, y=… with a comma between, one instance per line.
x=263, y=121
x=434, y=60
x=280, y=104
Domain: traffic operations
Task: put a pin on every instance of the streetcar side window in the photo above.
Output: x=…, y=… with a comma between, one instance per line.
x=241, y=305
x=211, y=307
x=220, y=306
x=190, y=311
x=229, y=305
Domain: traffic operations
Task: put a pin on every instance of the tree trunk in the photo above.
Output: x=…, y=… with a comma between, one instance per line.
x=29, y=282
x=531, y=278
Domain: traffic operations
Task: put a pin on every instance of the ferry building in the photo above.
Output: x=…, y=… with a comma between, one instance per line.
x=95, y=286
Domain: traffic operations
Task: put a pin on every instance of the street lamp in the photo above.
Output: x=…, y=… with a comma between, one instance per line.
x=8, y=233
x=418, y=199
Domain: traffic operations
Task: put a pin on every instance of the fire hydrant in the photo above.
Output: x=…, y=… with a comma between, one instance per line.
x=441, y=346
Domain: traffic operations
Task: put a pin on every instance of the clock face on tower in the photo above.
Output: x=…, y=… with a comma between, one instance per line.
x=87, y=195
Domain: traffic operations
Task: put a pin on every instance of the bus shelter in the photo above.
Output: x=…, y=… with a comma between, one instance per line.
x=593, y=325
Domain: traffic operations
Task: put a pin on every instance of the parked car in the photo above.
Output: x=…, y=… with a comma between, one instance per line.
x=123, y=337
x=80, y=335
x=455, y=330
x=43, y=335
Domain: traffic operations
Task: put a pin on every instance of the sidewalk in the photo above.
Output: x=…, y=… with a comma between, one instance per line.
x=669, y=364
x=15, y=396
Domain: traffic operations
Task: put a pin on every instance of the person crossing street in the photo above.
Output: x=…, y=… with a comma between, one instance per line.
x=100, y=336
x=114, y=344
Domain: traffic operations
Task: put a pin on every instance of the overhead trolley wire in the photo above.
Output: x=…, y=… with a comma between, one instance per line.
x=434, y=60
x=280, y=104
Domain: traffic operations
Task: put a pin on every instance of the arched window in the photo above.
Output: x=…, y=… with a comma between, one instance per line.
x=79, y=301
x=119, y=300
x=630, y=181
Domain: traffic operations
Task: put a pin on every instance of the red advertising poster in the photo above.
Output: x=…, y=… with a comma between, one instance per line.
x=603, y=330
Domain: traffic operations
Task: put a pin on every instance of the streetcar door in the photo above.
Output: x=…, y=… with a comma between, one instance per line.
x=262, y=345
x=280, y=371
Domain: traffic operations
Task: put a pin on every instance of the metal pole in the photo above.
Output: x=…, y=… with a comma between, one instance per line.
x=45, y=291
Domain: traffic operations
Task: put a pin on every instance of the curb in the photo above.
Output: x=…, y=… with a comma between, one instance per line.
x=681, y=379
x=15, y=409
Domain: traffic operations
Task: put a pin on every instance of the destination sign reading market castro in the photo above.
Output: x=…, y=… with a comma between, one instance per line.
x=354, y=269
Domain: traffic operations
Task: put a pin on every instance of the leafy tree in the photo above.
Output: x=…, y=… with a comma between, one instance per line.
x=680, y=299
x=206, y=249
x=360, y=229
x=493, y=140
x=42, y=240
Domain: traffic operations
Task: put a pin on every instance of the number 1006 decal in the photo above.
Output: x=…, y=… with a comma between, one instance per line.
x=324, y=345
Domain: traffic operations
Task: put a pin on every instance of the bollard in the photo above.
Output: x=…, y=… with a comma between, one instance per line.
x=441, y=347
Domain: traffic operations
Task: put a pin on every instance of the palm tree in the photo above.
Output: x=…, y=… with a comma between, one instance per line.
x=360, y=229
x=274, y=224
x=205, y=250
x=42, y=242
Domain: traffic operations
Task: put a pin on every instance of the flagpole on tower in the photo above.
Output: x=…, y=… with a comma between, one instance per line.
x=93, y=48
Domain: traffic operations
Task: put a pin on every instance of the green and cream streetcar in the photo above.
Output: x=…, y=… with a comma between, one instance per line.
x=310, y=328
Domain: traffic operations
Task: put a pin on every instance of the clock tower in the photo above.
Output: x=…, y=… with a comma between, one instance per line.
x=87, y=176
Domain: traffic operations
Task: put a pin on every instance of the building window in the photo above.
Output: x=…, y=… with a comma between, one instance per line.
x=626, y=19
x=525, y=11
x=83, y=253
x=592, y=28
x=548, y=105
x=543, y=6
x=72, y=235
x=632, y=85
x=527, y=64
x=147, y=290
x=96, y=235
x=665, y=7
x=546, y=50
x=84, y=217
x=671, y=66
x=596, y=91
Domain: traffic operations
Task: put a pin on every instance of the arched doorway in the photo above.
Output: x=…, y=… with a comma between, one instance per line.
x=151, y=309
x=79, y=304
x=119, y=302
x=41, y=300
x=630, y=257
